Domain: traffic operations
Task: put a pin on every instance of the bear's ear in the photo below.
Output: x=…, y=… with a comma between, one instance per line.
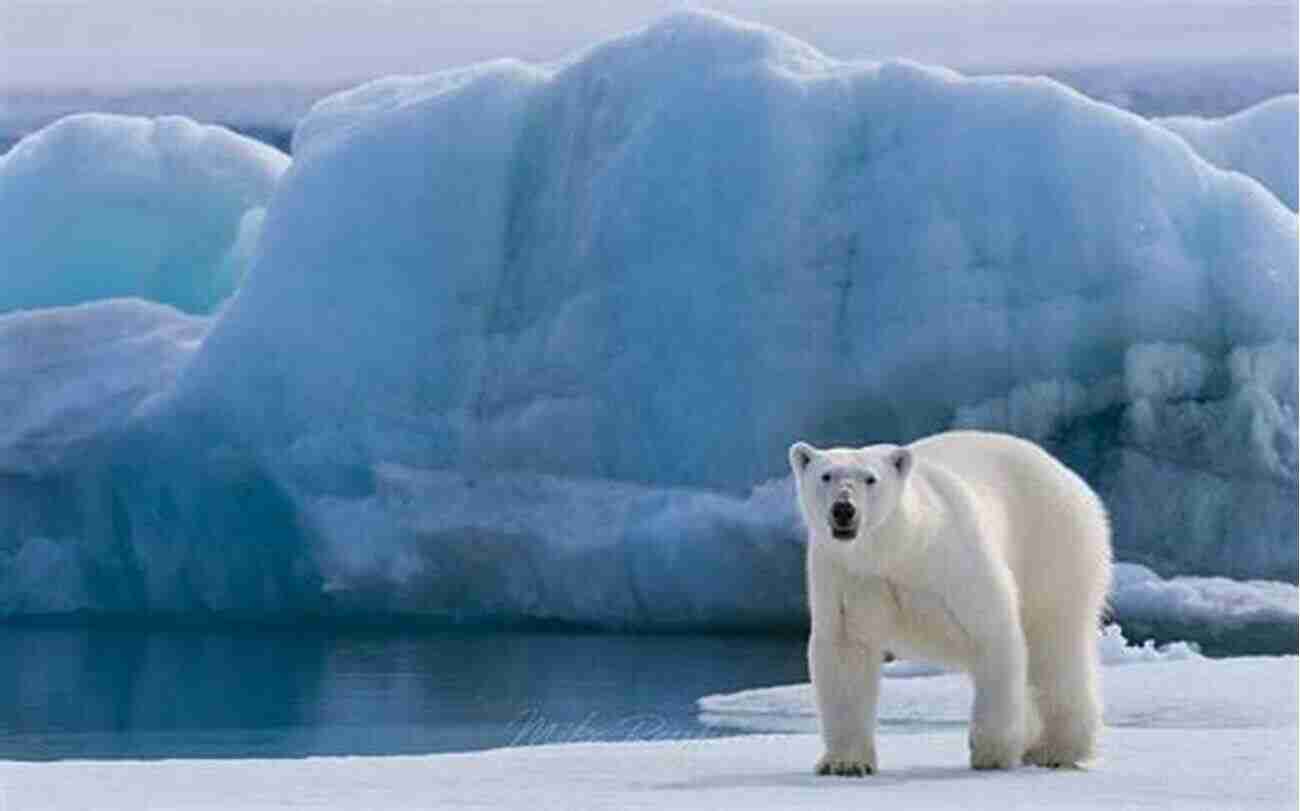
x=801, y=455
x=901, y=459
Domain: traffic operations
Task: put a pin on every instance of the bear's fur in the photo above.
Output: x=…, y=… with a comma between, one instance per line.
x=975, y=550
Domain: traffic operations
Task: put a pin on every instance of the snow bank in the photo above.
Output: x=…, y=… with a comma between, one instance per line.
x=101, y=206
x=522, y=342
x=1259, y=141
x=1116, y=650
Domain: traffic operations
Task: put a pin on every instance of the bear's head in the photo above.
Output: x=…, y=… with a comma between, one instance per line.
x=847, y=493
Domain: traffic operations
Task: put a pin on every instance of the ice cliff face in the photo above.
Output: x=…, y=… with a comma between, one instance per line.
x=526, y=341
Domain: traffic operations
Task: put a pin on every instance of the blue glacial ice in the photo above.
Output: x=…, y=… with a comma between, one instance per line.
x=100, y=206
x=1259, y=141
x=521, y=341
x=69, y=376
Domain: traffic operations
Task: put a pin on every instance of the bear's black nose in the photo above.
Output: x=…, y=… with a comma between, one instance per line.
x=842, y=513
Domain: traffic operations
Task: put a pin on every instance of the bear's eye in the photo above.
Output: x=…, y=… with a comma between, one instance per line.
x=826, y=477
x=869, y=479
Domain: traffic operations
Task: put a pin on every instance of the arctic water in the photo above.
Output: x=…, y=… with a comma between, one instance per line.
x=127, y=693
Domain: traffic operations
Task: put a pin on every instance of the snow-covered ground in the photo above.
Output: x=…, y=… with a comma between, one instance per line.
x=1184, y=733
x=1183, y=769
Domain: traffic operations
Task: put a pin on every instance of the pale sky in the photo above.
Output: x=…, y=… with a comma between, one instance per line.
x=93, y=43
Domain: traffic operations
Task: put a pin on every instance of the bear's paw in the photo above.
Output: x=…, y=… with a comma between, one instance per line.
x=846, y=765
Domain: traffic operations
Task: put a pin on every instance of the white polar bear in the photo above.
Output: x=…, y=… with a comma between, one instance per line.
x=976, y=550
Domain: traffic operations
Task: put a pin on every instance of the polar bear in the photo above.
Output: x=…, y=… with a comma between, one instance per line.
x=975, y=550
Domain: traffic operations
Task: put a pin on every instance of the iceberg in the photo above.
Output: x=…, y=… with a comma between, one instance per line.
x=100, y=206
x=1258, y=141
x=528, y=342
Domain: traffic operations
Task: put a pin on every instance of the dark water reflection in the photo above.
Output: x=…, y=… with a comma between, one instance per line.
x=109, y=693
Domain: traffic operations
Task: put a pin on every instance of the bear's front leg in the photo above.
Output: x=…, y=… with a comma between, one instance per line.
x=998, y=720
x=846, y=681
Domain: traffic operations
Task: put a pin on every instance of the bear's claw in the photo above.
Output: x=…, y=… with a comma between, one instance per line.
x=844, y=767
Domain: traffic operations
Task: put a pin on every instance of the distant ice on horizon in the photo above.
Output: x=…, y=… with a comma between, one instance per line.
x=241, y=42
